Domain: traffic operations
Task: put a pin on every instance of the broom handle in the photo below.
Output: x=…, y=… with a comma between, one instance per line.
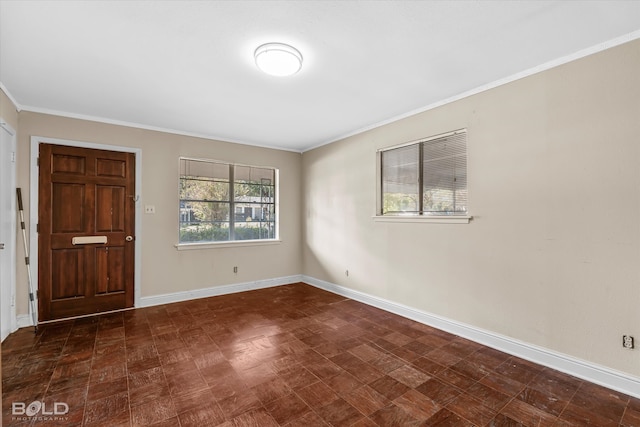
x=24, y=230
x=19, y=191
x=26, y=260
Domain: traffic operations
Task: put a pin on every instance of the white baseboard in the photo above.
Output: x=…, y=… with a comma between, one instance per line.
x=588, y=371
x=217, y=290
x=23, y=321
x=585, y=370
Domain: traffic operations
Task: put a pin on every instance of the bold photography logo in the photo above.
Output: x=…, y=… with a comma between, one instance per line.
x=39, y=409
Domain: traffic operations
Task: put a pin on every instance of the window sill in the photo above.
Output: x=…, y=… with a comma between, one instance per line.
x=217, y=245
x=434, y=219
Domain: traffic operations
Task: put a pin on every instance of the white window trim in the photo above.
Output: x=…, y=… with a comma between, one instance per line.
x=189, y=246
x=434, y=219
x=226, y=244
x=410, y=218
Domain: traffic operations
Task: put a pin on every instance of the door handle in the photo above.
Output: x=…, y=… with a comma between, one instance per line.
x=129, y=238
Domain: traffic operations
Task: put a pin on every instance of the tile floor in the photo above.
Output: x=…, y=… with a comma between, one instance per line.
x=287, y=356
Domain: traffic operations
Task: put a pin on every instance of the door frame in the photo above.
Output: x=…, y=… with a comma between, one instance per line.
x=12, y=242
x=34, y=209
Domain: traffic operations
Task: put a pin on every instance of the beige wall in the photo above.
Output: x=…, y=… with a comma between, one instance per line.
x=552, y=256
x=165, y=269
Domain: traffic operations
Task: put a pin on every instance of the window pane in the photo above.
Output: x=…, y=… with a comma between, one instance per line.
x=248, y=212
x=256, y=193
x=204, y=169
x=269, y=212
x=204, y=211
x=461, y=184
x=204, y=221
x=254, y=175
x=204, y=232
x=253, y=230
x=217, y=205
x=438, y=190
x=445, y=175
x=400, y=186
x=198, y=189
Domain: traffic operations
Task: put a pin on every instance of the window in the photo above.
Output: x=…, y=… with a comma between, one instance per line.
x=428, y=177
x=221, y=202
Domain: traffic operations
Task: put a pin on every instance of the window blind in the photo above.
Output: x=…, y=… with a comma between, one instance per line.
x=428, y=177
x=444, y=175
x=400, y=179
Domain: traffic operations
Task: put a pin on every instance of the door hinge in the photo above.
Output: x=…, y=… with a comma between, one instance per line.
x=38, y=228
x=38, y=161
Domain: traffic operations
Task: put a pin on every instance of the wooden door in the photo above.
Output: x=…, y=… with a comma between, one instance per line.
x=86, y=197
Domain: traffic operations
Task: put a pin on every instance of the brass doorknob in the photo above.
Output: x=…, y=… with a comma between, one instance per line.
x=129, y=238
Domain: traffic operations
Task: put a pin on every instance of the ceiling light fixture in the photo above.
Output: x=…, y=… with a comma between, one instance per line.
x=278, y=59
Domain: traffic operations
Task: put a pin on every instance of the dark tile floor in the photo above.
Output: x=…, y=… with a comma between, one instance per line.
x=287, y=356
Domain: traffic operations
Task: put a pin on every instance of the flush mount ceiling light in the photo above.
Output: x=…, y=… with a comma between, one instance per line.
x=278, y=59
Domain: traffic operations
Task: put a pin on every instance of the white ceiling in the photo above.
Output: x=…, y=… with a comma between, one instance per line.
x=187, y=66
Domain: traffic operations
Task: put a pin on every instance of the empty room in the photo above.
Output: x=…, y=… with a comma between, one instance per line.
x=320, y=213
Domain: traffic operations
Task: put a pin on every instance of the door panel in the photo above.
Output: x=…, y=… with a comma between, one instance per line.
x=68, y=217
x=61, y=163
x=109, y=270
x=110, y=167
x=67, y=272
x=85, y=193
x=110, y=202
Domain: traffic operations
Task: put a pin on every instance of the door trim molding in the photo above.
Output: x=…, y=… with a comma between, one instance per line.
x=13, y=246
x=33, y=203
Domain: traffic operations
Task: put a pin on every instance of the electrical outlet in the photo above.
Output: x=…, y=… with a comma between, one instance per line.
x=235, y=269
x=149, y=209
x=346, y=273
x=627, y=341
